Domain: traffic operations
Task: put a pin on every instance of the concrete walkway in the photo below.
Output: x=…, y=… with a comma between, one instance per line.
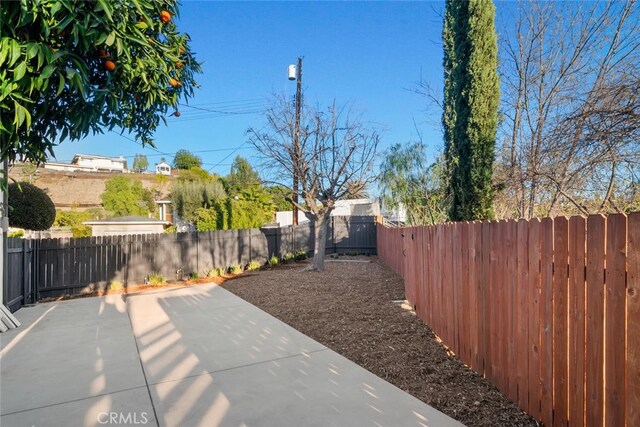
x=196, y=356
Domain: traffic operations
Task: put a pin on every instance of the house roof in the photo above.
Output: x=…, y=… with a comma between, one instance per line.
x=134, y=220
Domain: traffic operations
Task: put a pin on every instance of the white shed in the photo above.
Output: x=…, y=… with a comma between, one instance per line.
x=126, y=225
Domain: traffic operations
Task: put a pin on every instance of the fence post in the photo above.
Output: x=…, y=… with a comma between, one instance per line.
x=333, y=234
x=24, y=272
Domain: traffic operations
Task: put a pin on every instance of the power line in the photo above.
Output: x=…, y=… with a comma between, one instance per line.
x=227, y=156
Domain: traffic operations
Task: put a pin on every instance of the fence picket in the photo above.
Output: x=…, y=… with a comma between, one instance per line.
x=577, y=242
x=560, y=337
x=632, y=376
x=615, y=320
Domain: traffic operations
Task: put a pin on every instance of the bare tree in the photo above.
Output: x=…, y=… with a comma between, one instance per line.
x=336, y=149
x=571, y=108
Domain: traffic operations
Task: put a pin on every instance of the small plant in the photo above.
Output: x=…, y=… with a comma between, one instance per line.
x=215, y=272
x=194, y=276
x=116, y=285
x=156, y=279
x=235, y=269
x=273, y=261
x=253, y=265
x=288, y=257
x=301, y=255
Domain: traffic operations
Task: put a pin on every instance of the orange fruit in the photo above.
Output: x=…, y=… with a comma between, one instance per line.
x=165, y=16
x=178, y=64
x=103, y=54
x=109, y=65
x=177, y=113
x=173, y=82
x=181, y=51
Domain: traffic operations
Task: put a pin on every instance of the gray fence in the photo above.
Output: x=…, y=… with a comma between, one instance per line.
x=52, y=267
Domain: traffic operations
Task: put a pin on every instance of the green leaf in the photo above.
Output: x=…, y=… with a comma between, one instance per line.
x=110, y=39
x=47, y=71
x=60, y=84
x=106, y=9
x=4, y=51
x=19, y=71
x=32, y=50
x=101, y=39
x=19, y=114
x=15, y=52
x=55, y=8
x=142, y=25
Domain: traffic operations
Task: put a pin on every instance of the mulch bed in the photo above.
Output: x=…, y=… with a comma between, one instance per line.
x=349, y=308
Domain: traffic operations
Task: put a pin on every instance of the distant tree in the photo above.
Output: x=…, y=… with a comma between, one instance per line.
x=188, y=196
x=408, y=181
x=186, y=160
x=30, y=207
x=241, y=176
x=471, y=98
x=124, y=196
x=140, y=163
x=196, y=174
x=280, y=197
x=571, y=128
x=69, y=68
x=334, y=150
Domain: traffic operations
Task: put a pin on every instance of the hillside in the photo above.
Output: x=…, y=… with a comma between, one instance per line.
x=81, y=190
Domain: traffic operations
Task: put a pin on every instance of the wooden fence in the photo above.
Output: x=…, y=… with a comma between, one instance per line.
x=52, y=267
x=547, y=310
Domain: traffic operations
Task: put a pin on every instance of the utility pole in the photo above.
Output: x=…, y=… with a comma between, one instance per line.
x=296, y=140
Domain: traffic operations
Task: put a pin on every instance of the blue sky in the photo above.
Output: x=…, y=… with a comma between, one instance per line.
x=364, y=53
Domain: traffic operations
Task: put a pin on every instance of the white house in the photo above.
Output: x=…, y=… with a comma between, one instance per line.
x=100, y=163
x=352, y=207
x=163, y=169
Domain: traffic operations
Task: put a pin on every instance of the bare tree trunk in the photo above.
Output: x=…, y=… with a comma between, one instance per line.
x=321, y=229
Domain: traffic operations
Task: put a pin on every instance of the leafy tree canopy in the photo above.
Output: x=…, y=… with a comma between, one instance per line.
x=68, y=68
x=30, y=207
x=124, y=196
x=281, y=197
x=140, y=163
x=241, y=176
x=196, y=174
x=184, y=159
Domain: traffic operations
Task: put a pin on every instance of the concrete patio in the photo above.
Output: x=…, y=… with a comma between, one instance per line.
x=197, y=356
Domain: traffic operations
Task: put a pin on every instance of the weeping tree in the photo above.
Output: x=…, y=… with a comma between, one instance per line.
x=335, y=150
x=408, y=181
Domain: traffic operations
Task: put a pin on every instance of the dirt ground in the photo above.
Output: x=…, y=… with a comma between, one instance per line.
x=349, y=308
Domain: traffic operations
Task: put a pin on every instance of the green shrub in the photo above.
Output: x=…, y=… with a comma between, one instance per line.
x=172, y=228
x=18, y=233
x=253, y=265
x=273, y=261
x=30, y=207
x=81, y=230
x=235, y=269
x=194, y=276
x=215, y=272
x=155, y=279
x=116, y=285
x=301, y=255
x=288, y=257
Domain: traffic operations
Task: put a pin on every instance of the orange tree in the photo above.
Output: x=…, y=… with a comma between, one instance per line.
x=69, y=68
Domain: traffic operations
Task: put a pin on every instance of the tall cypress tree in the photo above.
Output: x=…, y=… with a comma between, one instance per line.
x=471, y=96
